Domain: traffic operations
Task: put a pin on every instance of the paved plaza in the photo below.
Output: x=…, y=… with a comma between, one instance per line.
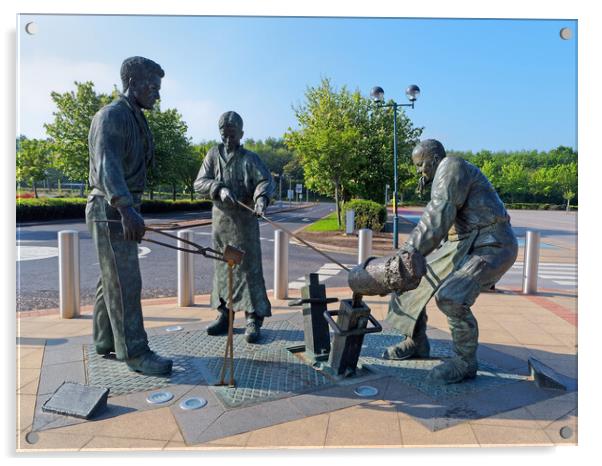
x=282, y=402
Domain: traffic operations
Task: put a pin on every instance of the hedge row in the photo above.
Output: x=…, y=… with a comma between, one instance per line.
x=368, y=214
x=536, y=206
x=509, y=205
x=67, y=208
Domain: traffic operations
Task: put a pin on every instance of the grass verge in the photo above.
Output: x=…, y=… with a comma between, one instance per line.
x=328, y=223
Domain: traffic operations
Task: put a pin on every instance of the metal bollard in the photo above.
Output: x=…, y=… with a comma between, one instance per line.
x=185, y=270
x=364, y=249
x=280, y=264
x=69, y=273
x=349, y=221
x=531, y=262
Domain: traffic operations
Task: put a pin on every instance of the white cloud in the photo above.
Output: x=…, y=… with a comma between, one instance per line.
x=39, y=77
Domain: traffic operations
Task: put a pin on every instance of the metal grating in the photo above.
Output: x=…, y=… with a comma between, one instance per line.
x=114, y=374
x=268, y=370
x=267, y=375
x=413, y=372
x=262, y=371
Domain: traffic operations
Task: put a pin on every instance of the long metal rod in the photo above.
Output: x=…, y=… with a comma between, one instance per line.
x=229, y=353
x=277, y=225
x=395, y=217
x=231, y=320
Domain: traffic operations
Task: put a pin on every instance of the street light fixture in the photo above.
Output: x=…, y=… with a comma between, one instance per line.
x=378, y=97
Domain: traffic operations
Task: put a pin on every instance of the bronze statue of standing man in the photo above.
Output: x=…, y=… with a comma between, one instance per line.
x=121, y=150
x=232, y=174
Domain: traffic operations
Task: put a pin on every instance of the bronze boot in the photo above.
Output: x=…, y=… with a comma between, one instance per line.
x=417, y=346
x=465, y=335
x=149, y=363
x=252, y=330
x=220, y=325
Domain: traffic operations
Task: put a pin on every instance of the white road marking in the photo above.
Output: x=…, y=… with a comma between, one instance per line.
x=325, y=272
x=549, y=264
x=559, y=273
x=33, y=253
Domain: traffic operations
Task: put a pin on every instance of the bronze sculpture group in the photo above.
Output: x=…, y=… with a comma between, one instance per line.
x=464, y=236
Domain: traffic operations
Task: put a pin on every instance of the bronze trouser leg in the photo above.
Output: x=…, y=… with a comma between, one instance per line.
x=483, y=267
x=454, y=298
x=102, y=331
x=118, y=309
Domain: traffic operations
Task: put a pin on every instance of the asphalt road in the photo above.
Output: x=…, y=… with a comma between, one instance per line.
x=37, y=258
x=37, y=262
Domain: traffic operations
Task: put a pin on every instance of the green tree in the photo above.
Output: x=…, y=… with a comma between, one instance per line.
x=492, y=171
x=345, y=144
x=273, y=152
x=513, y=181
x=174, y=157
x=542, y=182
x=33, y=160
x=279, y=159
x=566, y=178
x=189, y=166
x=325, y=140
x=69, y=130
x=375, y=153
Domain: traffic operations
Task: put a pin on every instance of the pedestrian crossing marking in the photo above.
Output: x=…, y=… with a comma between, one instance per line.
x=325, y=272
x=558, y=272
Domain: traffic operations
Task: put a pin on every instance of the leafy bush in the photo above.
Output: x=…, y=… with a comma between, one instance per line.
x=47, y=208
x=368, y=214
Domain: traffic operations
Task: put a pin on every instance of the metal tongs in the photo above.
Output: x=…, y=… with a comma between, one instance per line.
x=197, y=248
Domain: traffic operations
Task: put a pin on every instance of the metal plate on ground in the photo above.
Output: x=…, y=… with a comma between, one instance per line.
x=77, y=400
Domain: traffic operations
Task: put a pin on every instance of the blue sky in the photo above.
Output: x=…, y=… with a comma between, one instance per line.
x=486, y=84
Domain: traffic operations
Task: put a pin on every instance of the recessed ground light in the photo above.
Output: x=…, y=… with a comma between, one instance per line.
x=157, y=398
x=193, y=403
x=366, y=391
x=175, y=328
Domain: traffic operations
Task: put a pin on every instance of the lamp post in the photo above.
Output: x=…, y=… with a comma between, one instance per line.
x=378, y=94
